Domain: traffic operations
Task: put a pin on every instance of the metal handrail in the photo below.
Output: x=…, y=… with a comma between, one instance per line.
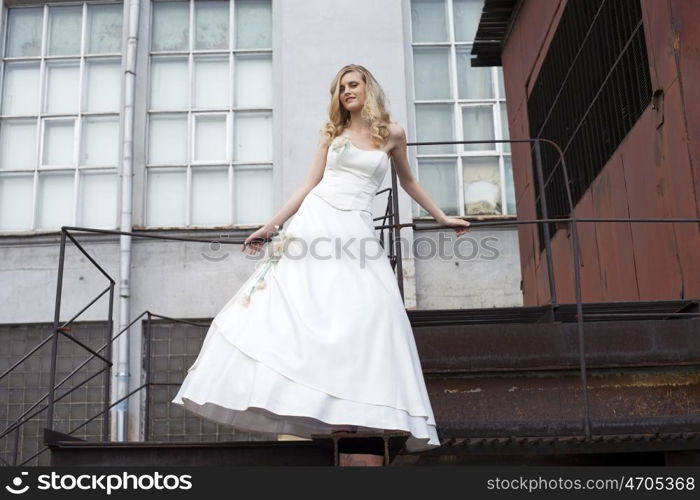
x=394, y=254
x=65, y=327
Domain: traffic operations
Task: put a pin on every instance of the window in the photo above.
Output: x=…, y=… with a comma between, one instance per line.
x=593, y=86
x=454, y=101
x=59, y=116
x=209, y=145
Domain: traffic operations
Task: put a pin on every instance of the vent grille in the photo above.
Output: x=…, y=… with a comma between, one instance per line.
x=593, y=86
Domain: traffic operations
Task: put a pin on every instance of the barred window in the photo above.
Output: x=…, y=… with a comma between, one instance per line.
x=593, y=86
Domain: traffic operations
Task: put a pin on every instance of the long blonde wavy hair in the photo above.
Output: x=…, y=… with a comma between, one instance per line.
x=374, y=109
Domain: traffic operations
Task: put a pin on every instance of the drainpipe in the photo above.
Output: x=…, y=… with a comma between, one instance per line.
x=127, y=153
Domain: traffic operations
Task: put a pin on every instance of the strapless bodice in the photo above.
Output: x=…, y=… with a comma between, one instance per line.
x=352, y=175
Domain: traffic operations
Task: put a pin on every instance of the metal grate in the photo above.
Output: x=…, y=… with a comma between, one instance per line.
x=29, y=382
x=593, y=86
x=174, y=348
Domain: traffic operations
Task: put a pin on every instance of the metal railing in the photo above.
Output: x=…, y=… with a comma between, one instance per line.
x=394, y=254
x=63, y=329
x=572, y=221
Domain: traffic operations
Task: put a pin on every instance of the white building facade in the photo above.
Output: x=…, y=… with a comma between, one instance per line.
x=200, y=118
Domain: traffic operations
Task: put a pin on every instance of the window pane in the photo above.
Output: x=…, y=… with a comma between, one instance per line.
x=211, y=25
x=58, y=142
x=435, y=123
x=18, y=143
x=432, y=72
x=252, y=136
x=64, y=30
x=24, y=32
x=100, y=144
x=169, y=83
x=55, y=200
x=104, y=28
x=210, y=138
x=253, y=195
x=467, y=14
x=97, y=203
x=477, y=124
x=167, y=143
x=103, y=85
x=473, y=83
x=482, y=185
x=210, y=196
x=211, y=82
x=439, y=178
x=21, y=93
x=16, y=202
x=429, y=20
x=504, y=127
x=170, y=26
x=510, y=185
x=166, y=197
x=501, y=84
x=62, y=80
x=253, y=24
x=253, y=81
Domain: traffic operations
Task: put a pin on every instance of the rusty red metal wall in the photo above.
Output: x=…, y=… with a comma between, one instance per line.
x=655, y=172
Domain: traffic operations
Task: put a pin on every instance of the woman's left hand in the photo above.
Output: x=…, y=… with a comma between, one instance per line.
x=460, y=226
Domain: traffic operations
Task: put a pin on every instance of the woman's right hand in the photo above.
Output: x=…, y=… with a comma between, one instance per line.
x=254, y=243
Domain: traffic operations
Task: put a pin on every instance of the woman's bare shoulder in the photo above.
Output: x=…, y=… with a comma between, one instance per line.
x=396, y=133
x=396, y=130
x=324, y=138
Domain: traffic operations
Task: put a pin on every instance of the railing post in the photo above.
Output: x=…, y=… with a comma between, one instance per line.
x=54, y=341
x=147, y=406
x=579, y=322
x=390, y=233
x=579, y=305
x=108, y=372
x=397, y=231
x=15, y=454
x=545, y=227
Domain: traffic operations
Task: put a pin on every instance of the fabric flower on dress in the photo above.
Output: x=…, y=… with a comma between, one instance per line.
x=339, y=144
x=273, y=253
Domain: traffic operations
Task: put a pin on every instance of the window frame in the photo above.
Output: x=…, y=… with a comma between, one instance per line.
x=42, y=115
x=497, y=102
x=191, y=112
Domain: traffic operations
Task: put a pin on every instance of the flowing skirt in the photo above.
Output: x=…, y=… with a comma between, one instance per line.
x=324, y=344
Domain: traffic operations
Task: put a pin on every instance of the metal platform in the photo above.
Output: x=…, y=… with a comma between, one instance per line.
x=321, y=450
x=619, y=449
x=390, y=443
x=564, y=313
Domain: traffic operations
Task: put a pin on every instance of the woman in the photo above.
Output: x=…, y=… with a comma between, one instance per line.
x=317, y=340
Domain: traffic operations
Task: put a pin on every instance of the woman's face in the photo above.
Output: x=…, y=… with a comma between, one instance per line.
x=352, y=91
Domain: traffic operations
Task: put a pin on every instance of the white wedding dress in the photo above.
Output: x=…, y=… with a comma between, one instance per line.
x=317, y=339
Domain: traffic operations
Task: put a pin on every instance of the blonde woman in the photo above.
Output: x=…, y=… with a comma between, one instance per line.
x=317, y=340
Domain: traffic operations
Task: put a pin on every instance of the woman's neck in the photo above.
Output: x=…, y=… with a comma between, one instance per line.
x=357, y=123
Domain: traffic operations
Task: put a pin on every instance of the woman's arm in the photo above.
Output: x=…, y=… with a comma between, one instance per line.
x=413, y=187
x=406, y=179
x=313, y=177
